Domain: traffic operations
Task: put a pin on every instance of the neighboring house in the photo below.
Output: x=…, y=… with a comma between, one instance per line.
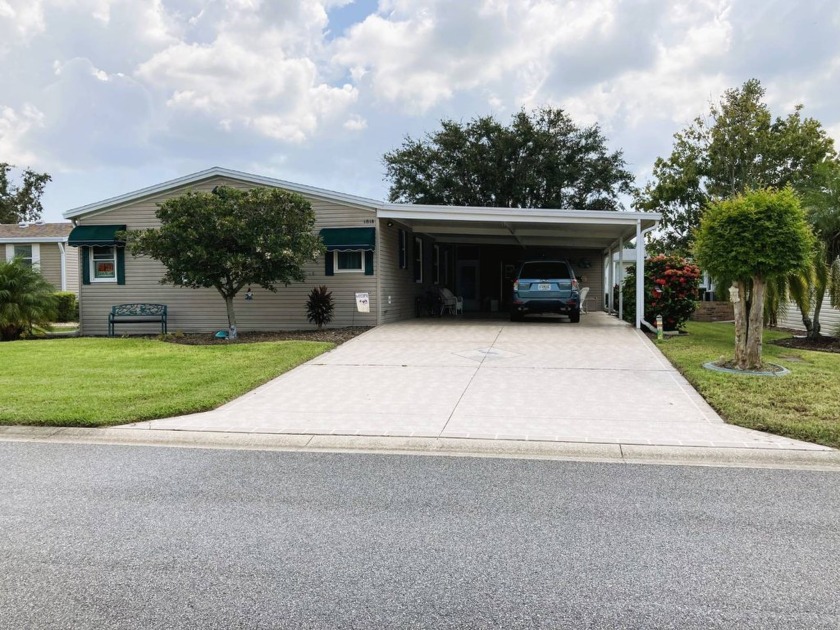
x=395, y=253
x=790, y=317
x=43, y=246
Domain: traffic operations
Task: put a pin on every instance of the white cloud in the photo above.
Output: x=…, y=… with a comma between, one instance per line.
x=14, y=127
x=355, y=123
x=259, y=71
x=19, y=20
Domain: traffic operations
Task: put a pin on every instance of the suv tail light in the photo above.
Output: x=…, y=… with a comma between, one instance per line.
x=516, y=285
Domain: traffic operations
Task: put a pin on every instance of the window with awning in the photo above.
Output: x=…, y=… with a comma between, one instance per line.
x=96, y=236
x=349, y=239
x=349, y=250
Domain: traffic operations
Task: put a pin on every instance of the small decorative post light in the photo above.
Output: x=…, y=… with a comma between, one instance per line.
x=659, y=328
x=249, y=295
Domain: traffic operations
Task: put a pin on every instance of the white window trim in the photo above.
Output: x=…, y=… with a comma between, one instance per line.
x=418, y=258
x=436, y=263
x=359, y=270
x=36, y=253
x=92, y=265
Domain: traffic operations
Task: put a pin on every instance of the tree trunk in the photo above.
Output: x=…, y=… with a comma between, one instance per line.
x=741, y=325
x=814, y=329
x=231, y=317
x=755, y=325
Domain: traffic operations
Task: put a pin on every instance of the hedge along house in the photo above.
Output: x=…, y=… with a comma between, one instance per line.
x=44, y=247
x=395, y=253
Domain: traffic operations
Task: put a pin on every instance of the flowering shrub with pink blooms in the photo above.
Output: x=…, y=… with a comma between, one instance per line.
x=671, y=284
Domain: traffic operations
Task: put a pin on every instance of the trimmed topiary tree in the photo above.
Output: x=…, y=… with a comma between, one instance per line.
x=671, y=284
x=747, y=241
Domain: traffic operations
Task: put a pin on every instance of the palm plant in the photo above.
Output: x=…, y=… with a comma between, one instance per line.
x=27, y=300
x=822, y=200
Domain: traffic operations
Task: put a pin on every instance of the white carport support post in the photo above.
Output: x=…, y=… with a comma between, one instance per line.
x=621, y=279
x=610, y=299
x=640, y=275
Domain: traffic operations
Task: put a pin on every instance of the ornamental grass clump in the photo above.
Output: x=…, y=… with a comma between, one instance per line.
x=671, y=284
x=319, y=306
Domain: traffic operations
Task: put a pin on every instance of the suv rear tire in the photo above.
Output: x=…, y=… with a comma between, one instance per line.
x=574, y=317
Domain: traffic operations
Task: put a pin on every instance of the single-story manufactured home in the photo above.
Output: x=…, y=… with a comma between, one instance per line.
x=43, y=246
x=393, y=253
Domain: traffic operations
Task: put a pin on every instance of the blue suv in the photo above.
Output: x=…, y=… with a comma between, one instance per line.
x=545, y=286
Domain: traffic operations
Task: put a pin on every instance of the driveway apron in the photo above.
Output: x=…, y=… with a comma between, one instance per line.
x=599, y=381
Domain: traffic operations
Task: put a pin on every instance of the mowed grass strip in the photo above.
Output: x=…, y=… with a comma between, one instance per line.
x=88, y=382
x=804, y=405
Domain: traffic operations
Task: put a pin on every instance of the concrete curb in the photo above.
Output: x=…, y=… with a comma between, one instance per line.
x=828, y=460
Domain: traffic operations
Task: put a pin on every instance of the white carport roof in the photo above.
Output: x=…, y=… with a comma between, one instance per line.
x=591, y=229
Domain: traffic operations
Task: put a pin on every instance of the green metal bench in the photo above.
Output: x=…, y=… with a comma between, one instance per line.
x=137, y=314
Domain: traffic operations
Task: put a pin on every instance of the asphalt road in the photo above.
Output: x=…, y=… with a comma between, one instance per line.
x=145, y=537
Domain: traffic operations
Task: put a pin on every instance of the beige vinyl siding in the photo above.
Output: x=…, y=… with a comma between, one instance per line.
x=591, y=277
x=51, y=264
x=72, y=268
x=396, y=283
x=829, y=318
x=203, y=310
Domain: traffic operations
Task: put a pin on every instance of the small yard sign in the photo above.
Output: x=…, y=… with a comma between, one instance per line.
x=363, y=302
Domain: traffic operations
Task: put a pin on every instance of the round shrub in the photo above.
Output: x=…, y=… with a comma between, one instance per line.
x=671, y=284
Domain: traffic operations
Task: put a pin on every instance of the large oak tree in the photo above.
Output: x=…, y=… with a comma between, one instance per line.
x=21, y=202
x=541, y=160
x=735, y=147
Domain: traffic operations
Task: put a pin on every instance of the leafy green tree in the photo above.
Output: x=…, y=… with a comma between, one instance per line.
x=736, y=147
x=23, y=202
x=27, y=300
x=542, y=160
x=750, y=240
x=230, y=238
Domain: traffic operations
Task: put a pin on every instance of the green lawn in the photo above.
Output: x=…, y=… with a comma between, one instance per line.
x=98, y=382
x=804, y=404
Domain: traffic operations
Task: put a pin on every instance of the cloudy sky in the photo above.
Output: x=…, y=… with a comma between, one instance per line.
x=109, y=96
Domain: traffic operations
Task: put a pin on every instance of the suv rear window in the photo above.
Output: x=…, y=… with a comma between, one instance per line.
x=545, y=270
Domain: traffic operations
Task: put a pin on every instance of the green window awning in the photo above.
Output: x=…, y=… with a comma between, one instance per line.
x=345, y=239
x=93, y=235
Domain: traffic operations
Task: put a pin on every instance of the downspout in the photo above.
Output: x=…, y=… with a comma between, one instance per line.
x=640, y=277
x=63, y=266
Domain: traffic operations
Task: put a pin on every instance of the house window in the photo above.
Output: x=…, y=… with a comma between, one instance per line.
x=103, y=264
x=445, y=266
x=418, y=260
x=403, y=253
x=349, y=262
x=436, y=264
x=24, y=252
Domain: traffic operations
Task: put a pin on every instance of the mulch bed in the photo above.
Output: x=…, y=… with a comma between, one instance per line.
x=332, y=335
x=821, y=344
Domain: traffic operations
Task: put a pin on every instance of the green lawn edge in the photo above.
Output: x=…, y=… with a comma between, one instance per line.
x=94, y=382
x=804, y=405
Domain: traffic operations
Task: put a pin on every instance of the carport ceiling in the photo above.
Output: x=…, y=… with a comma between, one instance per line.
x=589, y=229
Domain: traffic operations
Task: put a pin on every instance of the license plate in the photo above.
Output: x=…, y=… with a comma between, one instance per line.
x=544, y=287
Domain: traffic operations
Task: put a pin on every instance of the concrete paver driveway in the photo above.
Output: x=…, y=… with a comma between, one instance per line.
x=599, y=381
